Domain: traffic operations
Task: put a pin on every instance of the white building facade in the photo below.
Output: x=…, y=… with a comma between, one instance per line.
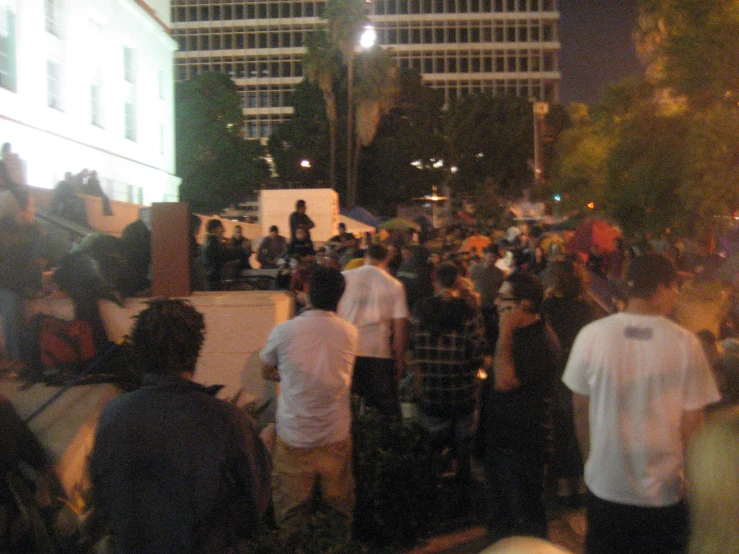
x=462, y=47
x=89, y=84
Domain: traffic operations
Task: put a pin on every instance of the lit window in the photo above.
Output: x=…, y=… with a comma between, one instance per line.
x=128, y=72
x=7, y=49
x=129, y=123
x=52, y=10
x=95, y=104
x=53, y=84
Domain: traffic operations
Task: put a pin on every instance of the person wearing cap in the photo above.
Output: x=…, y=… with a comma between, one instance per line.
x=640, y=384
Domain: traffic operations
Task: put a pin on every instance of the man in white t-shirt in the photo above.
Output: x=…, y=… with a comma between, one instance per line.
x=375, y=302
x=640, y=384
x=312, y=356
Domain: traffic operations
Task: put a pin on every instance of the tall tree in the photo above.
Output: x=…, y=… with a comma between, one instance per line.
x=322, y=64
x=694, y=46
x=345, y=20
x=398, y=164
x=305, y=136
x=492, y=139
x=216, y=165
x=376, y=90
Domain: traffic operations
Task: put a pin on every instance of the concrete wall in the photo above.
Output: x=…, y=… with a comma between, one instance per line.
x=237, y=325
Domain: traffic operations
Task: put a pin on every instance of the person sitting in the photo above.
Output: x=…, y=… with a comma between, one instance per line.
x=272, y=249
x=301, y=246
x=215, y=254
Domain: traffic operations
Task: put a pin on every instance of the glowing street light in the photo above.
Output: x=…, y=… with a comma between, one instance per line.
x=305, y=164
x=368, y=37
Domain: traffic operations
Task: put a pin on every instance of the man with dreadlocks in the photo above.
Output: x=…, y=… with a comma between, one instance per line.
x=173, y=468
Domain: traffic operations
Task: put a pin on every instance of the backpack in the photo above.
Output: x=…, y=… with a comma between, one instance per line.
x=57, y=346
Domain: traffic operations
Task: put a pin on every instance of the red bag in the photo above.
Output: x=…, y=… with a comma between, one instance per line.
x=65, y=343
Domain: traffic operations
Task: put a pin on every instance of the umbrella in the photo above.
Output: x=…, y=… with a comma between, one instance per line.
x=399, y=223
x=478, y=243
x=593, y=231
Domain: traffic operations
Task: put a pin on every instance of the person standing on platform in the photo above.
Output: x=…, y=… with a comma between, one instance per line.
x=300, y=219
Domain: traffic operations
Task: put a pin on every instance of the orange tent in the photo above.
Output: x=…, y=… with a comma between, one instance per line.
x=593, y=231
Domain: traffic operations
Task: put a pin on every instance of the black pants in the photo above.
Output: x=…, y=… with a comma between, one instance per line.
x=515, y=485
x=374, y=380
x=622, y=529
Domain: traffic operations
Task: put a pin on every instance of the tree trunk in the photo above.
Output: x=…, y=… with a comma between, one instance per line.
x=351, y=189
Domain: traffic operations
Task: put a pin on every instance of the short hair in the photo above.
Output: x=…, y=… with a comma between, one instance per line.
x=377, y=252
x=274, y=229
x=167, y=336
x=342, y=225
x=239, y=227
x=527, y=286
x=325, y=287
x=300, y=204
x=212, y=225
x=447, y=274
x=646, y=273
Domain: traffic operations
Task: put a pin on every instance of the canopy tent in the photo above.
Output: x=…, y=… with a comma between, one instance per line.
x=358, y=213
x=399, y=223
x=356, y=227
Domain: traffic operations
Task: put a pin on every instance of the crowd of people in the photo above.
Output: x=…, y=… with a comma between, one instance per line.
x=514, y=362
x=576, y=407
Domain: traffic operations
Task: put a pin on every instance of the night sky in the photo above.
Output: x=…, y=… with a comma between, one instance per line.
x=597, y=48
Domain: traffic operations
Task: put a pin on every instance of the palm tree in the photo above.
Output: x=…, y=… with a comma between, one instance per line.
x=377, y=89
x=322, y=65
x=345, y=20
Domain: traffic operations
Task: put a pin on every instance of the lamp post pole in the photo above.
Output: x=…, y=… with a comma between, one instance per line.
x=541, y=109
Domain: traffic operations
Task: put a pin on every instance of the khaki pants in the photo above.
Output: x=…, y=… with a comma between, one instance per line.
x=295, y=471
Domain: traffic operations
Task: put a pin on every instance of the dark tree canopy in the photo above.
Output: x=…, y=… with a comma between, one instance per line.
x=217, y=166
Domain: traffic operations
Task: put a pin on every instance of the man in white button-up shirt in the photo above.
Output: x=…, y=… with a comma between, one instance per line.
x=312, y=356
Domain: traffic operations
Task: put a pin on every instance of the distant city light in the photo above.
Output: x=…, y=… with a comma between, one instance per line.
x=591, y=205
x=305, y=163
x=557, y=198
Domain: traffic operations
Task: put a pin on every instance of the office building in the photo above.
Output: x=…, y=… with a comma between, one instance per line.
x=459, y=46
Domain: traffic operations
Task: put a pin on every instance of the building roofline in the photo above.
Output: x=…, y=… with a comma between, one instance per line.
x=151, y=13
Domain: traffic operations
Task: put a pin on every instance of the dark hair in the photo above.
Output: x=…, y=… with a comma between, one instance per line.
x=447, y=274
x=527, y=286
x=300, y=204
x=342, y=225
x=167, y=336
x=377, y=252
x=325, y=287
x=646, y=273
x=274, y=229
x=212, y=225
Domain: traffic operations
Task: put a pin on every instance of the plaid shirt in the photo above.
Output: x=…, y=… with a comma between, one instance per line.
x=448, y=358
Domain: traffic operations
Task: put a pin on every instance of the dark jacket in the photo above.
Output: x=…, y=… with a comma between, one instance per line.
x=176, y=470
